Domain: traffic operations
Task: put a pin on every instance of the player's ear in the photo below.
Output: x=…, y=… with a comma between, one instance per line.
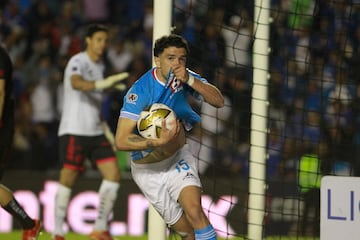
x=157, y=62
x=87, y=40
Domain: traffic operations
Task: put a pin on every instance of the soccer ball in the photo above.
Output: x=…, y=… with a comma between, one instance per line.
x=149, y=123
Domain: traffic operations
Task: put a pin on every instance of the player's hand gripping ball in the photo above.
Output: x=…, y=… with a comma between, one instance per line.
x=150, y=122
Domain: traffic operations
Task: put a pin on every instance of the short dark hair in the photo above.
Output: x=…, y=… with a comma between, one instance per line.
x=171, y=40
x=93, y=28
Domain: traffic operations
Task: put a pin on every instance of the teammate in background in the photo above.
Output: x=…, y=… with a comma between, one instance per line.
x=81, y=132
x=31, y=227
x=164, y=168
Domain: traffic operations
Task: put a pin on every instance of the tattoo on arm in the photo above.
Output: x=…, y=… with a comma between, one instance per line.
x=150, y=144
x=135, y=139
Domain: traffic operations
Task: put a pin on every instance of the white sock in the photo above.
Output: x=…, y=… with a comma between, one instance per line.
x=107, y=196
x=61, y=202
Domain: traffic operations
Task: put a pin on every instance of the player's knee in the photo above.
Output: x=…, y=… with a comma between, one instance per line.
x=113, y=176
x=110, y=171
x=68, y=177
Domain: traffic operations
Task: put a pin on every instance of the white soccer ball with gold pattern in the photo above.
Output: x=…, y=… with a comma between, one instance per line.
x=150, y=122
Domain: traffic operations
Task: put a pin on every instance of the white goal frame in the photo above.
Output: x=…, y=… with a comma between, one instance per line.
x=162, y=26
x=259, y=115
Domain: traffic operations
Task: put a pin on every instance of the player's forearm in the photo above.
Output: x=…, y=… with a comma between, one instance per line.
x=210, y=93
x=136, y=143
x=155, y=156
x=161, y=153
x=77, y=82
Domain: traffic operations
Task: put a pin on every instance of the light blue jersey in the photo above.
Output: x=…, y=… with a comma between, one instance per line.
x=149, y=90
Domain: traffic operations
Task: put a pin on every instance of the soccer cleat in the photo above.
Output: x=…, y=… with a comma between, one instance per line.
x=58, y=237
x=100, y=235
x=33, y=233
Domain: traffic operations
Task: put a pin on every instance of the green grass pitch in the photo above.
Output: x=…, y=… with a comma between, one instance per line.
x=16, y=235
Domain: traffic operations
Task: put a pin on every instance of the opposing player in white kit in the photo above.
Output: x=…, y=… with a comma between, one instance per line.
x=81, y=134
x=164, y=168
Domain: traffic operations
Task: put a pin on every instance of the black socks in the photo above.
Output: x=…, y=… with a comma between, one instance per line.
x=14, y=208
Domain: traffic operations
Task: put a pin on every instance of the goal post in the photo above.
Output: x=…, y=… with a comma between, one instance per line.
x=162, y=26
x=258, y=155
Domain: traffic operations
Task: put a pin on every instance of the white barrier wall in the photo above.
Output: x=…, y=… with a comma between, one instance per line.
x=340, y=208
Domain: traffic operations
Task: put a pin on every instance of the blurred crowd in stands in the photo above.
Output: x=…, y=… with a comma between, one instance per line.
x=314, y=85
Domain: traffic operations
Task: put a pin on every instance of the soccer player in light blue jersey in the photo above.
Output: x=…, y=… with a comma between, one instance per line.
x=164, y=168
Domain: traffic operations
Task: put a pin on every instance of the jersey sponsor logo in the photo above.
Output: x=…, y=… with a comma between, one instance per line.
x=132, y=98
